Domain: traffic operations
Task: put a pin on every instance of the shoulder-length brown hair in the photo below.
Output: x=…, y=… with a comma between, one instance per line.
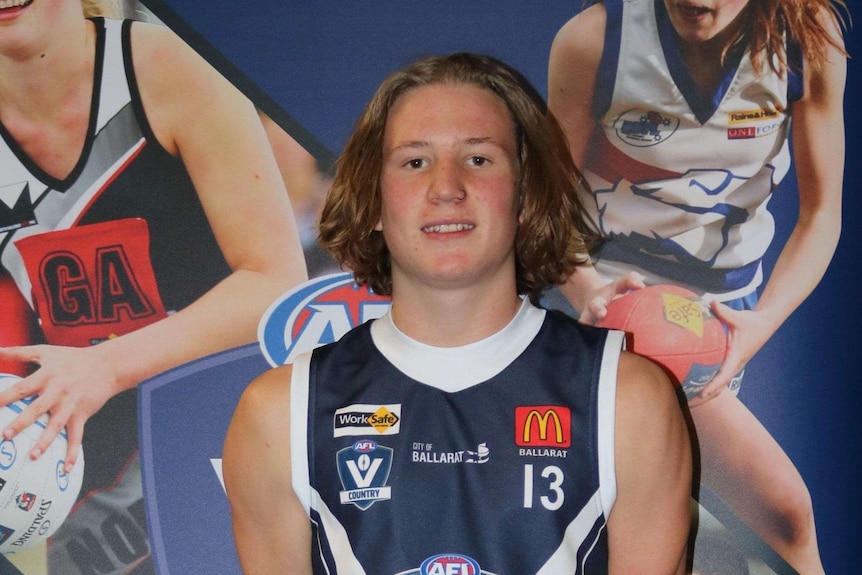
x=768, y=24
x=810, y=24
x=553, y=236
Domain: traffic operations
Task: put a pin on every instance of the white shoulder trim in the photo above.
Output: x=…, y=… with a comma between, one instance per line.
x=606, y=409
x=577, y=544
x=299, y=430
x=453, y=369
x=339, y=543
x=114, y=94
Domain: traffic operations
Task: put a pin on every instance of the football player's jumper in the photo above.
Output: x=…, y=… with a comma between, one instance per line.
x=495, y=457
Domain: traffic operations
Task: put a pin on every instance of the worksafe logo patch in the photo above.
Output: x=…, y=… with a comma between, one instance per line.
x=367, y=419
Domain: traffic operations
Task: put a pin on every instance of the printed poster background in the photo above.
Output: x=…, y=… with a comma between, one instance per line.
x=318, y=63
x=311, y=67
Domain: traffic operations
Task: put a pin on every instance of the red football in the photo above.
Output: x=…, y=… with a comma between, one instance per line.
x=674, y=328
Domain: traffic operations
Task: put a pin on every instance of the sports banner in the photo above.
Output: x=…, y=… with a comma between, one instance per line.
x=311, y=67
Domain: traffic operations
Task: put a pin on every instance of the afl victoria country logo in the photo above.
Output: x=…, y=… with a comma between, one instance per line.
x=315, y=313
x=364, y=469
x=643, y=128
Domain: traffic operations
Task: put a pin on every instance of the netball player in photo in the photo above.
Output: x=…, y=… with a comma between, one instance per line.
x=145, y=221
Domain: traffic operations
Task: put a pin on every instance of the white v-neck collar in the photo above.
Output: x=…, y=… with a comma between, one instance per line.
x=456, y=368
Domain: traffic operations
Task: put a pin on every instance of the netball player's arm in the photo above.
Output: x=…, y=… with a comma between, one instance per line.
x=572, y=70
x=818, y=149
x=649, y=524
x=306, y=184
x=201, y=118
x=216, y=131
x=271, y=529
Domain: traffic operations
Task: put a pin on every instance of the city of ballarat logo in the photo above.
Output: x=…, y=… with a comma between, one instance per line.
x=425, y=453
x=364, y=469
x=315, y=313
x=367, y=419
x=643, y=128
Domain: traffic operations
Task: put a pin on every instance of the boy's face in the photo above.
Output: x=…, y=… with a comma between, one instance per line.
x=449, y=206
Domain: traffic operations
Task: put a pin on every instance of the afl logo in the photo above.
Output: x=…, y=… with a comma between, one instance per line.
x=644, y=128
x=365, y=445
x=449, y=564
x=315, y=313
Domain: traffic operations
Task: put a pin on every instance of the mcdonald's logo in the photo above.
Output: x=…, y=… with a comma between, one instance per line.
x=543, y=425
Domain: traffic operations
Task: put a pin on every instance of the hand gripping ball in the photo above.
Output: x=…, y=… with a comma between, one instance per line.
x=673, y=327
x=35, y=496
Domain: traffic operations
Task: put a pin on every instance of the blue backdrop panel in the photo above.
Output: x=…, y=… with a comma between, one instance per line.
x=312, y=67
x=184, y=414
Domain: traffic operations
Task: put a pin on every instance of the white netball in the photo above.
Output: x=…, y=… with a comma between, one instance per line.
x=35, y=496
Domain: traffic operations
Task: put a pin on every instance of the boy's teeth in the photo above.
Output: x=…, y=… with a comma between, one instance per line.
x=445, y=228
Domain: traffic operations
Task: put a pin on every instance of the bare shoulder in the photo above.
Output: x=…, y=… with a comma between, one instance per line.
x=835, y=20
x=583, y=35
x=257, y=471
x=168, y=70
x=825, y=81
x=573, y=66
x=648, y=526
x=259, y=432
x=177, y=85
x=265, y=404
x=650, y=420
x=154, y=46
x=258, y=437
x=641, y=382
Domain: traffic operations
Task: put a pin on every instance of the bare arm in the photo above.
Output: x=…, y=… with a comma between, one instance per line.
x=217, y=133
x=818, y=147
x=271, y=529
x=201, y=118
x=298, y=168
x=573, y=66
x=572, y=70
x=649, y=524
